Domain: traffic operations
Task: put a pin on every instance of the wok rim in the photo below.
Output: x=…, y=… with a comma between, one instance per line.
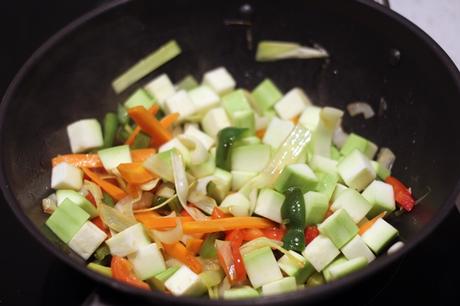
x=314, y=294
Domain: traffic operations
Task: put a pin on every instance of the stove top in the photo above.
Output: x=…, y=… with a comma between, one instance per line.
x=32, y=276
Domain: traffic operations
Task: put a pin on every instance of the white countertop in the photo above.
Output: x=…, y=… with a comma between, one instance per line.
x=439, y=18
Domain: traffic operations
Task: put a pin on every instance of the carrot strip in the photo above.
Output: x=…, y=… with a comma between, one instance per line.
x=178, y=251
x=152, y=110
x=93, y=161
x=193, y=245
x=363, y=228
x=169, y=120
x=135, y=173
x=154, y=221
x=225, y=224
x=261, y=133
x=150, y=125
x=112, y=190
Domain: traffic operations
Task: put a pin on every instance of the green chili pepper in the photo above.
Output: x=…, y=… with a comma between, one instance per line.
x=293, y=214
x=225, y=140
x=110, y=129
x=107, y=199
x=208, y=249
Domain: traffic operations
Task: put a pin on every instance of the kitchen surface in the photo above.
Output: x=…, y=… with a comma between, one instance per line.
x=32, y=276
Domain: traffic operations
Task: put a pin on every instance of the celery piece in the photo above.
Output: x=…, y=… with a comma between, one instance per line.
x=122, y=114
x=66, y=220
x=100, y=269
x=140, y=98
x=163, y=276
x=110, y=128
x=276, y=50
x=208, y=249
x=187, y=83
x=146, y=65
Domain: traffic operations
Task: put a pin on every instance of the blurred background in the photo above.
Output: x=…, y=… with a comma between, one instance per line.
x=30, y=276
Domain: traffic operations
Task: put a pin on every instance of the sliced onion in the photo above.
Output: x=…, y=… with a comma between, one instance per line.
x=198, y=153
x=166, y=190
x=237, y=204
x=181, y=184
x=395, y=247
x=357, y=108
x=114, y=219
x=202, y=183
x=201, y=201
x=386, y=158
x=252, y=200
x=150, y=185
x=340, y=137
x=274, y=244
x=95, y=191
x=172, y=235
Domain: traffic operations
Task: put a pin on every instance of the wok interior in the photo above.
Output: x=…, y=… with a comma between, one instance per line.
x=72, y=81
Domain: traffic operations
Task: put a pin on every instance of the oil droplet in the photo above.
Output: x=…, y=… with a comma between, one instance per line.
x=394, y=57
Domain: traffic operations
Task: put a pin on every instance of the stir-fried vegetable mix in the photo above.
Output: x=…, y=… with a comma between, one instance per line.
x=209, y=189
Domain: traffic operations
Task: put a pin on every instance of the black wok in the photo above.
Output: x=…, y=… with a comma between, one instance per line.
x=376, y=56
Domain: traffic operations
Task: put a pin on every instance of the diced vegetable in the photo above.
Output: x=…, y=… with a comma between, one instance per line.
x=85, y=135
x=320, y=252
x=237, y=204
x=277, y=132
x=327, y=183
x=261, y=267
x=111, y=189
x=244, y=292
x=293, y=214
x=310, y=117
x=185, y=282
x=339, y=228
x=316, y=206
x=289, y=266
x=238, y=110
x=220, y=185
x=240, y=178
x=402, y=195
x=353, y=203
x=139, y=98
x=203, y=98
x=67, y=220
x=110, y=129
x=179, y=147
x=147, y=261
x=112, y=157
x=215, y=120
x=380, y=196
x=276, y=50
x=265, y=95
x=122, y=270
x=205, y=139
x=296, y=175
x=88, y=238
x=149, y=125
x=220, y=80
x=128, y=241
x=269, y=204
x=292, y=104
x=146, y=65
x=379, y=235
x=178, y=251
x=357, y=248
x=187, y=83
x=286, y=284
x=252, y=158
x=226, y=139
x=77, y=199
x=66, y=176
x=323, y=164
x=356, y=170
x=100, y=269
x=161, y=88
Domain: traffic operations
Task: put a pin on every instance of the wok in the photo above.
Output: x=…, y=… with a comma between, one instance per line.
x=376, y=56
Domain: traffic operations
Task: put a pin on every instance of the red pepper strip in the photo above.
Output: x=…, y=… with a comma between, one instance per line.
x=402, y=195
x=90, y=198
x=99, y=223
x=122, y=270
x=310, y=233
x=217, y=213
x=236, y=240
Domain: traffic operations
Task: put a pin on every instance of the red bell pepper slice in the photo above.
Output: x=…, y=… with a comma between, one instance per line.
x=311, y=232
x=402, y=194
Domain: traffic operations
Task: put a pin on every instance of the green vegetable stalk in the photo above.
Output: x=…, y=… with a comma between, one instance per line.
x=110, y=129
x=208, y=249
x=225, y=140
x=293, y=214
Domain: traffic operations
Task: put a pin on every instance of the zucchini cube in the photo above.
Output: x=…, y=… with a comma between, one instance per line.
x=140, y=98
x=220, y=80
x=269, y=204
x=342, y=267
x=180, y=103
x=239, y=178
x=261, y=267
x=339, y=188
x=356, y=170
x=296, y=175
x=379, y=235
x=278, y=130
x=251, y=158
x=78, y=199
x=147, y=261
x=353, y=203
x=185, y=282
x=310, y=117
x=215, y=120
x=128, y=241
x=67, y=220
x=203, y=98
x=286, y=284
x=291, y=267
x=381, y=196
x=354, y=142
x=238, y=110
x=220, y=186
x=66, y=176
x=113, y=157
x=381, y=171
x=206, y=140
x=206, y=168
x=265, y=95
x=292, y=104
x=85, y=135
x=320, y=252
x=327, y=183
x=88, y=238
x=357, y=248
x=316, y=206
x=179, y=146
x=161, y=88
x=245, y=292
x=339, y=227
x=323, y=164
x=237, y=204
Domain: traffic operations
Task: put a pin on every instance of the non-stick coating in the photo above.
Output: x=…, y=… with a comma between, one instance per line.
x=69, y=78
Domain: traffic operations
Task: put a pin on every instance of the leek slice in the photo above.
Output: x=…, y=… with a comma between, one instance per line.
x=276, y=50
